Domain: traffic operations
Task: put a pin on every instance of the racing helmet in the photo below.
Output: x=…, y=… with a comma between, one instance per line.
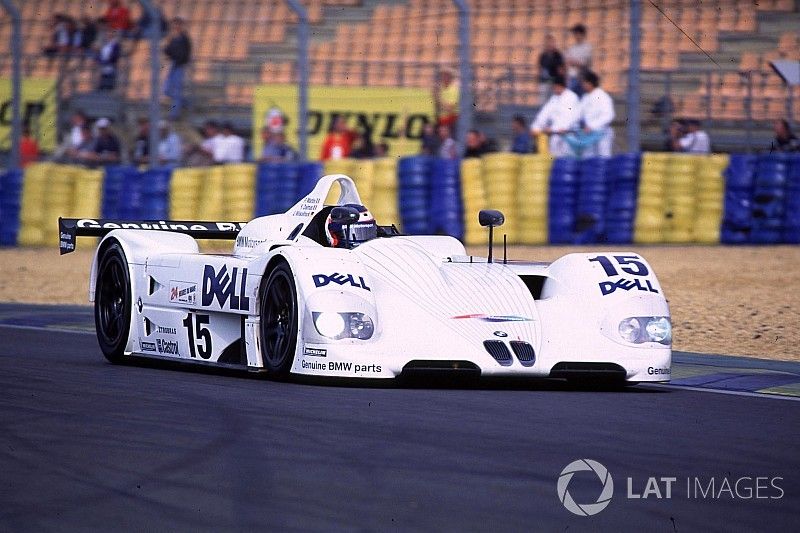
x=358, y=231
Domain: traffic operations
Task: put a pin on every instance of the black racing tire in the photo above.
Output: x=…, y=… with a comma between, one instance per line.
x=279, y=321
x=113, y=301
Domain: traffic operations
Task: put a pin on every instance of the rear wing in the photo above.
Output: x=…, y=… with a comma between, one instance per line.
x=69, y=229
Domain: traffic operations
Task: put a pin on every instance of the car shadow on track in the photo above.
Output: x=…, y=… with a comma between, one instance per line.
x=437, y=381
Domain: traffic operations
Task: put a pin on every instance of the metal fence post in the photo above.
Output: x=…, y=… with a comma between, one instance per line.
x=302, y=68
x=465, y=70
x=633, y=126
x=16, y=80
x=155, y=71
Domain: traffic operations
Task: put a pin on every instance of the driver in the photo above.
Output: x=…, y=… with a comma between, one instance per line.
x=358, y=232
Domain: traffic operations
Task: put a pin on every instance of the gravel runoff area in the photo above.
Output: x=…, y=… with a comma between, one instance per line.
x=724, y=300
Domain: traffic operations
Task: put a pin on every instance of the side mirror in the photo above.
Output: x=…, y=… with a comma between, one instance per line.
x=491, y=217
x=344, y=215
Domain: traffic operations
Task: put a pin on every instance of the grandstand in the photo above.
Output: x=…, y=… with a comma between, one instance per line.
x=711, y=58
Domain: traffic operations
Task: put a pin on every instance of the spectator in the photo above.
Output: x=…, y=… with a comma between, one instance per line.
x=674, y=133
x=551, y=64
x=179, y=51
x=28, y=147
x=211, y=138
x=476, y=144
x=107, y=58
x=275, y=149
x=578, y=58
x=141, y=145
x=83, y=151
x=363, y=147
x=597, y=113
x=78, y=121
x=448, y=148
x=117, y=16
x=107, y=148
x=430, y=140
x=521, y=143
x=559, y=115
x=170, y=147
x=694, y=139
x=229, y=147
x=785, y=140
x=61, y=38
x=339, y=142
x=446, y=98
x=84, y=36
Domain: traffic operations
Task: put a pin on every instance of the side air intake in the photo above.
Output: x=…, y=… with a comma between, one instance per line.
x=499, y=351
x=524, y=352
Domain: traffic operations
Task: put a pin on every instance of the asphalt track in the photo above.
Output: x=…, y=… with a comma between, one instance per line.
x=86, y=445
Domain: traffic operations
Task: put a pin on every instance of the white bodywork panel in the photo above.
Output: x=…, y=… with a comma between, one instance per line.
x=428, y=301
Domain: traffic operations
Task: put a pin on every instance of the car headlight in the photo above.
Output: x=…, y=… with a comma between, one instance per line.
x=344, y=325
x=640, y=329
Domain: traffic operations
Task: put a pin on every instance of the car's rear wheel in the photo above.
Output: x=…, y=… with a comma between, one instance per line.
x=278, y=312
x=112, y=303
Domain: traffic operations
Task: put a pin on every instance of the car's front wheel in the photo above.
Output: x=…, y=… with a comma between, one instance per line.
x=278, y=311
x=112, y=302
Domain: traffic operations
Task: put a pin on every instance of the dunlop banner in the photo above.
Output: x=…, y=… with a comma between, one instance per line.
x=392, y=115
x=38, y=110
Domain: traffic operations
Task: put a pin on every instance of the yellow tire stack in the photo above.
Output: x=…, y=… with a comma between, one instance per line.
x=210, y=202
x=51, y=191
x=710, y=198
x=680, y=198
x=500, y=173
x=650, y=219
x=534, y=177
x=185, y=190
x=239, y=192
x=363, y=174
x=474, y=197
x=383, y=202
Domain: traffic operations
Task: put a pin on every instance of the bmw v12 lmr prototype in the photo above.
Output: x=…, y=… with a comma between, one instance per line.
x=286, y=301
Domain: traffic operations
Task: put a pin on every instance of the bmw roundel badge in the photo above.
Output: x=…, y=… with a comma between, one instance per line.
x=500, y=334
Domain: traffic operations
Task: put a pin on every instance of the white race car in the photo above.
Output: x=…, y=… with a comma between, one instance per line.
x=323, y=291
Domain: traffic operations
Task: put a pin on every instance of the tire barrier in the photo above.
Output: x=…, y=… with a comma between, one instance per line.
x=562, y=201
x=446, y=207
x=473, y=196
x=278, y=186
x=532, y=199
x=762, y=200
x=414, y=179
x=623, y=178
x=642, y=198
x=50, y=191
x=10, y=203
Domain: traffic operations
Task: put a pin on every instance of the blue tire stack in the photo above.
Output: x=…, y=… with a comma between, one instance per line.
x=130, y=202
x=562, y=200
x=268, y=187
x=10, y=201
x=768, y=199
x=114, y=179
x=155, y=193
x=309, y=175
x=446, y=207
x=623, y=182
x=791, y=216
x=590, y=211
x=737, y=220
x=414, y=179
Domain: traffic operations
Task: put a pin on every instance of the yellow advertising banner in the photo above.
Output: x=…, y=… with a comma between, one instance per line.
x=392, y=115
x=38, y=109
